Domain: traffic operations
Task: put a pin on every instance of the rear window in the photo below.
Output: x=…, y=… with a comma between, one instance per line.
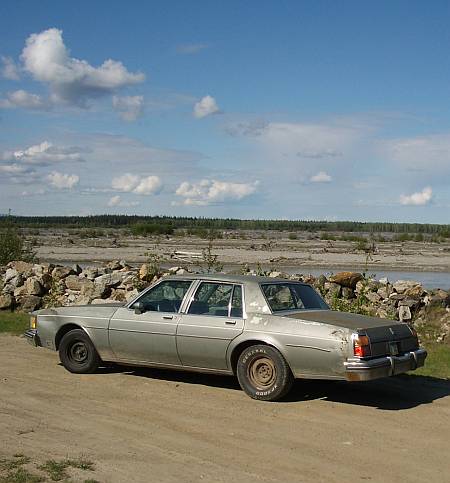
x=292, y=296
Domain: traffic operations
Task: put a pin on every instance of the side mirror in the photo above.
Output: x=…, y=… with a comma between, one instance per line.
x=138, y=308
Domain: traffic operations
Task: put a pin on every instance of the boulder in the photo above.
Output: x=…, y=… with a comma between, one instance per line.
x=11, y=274
x=103, y=301
x=74, y=282
x=333, y=289
x=20, y=291
x=144, y=272
x=62, y=272
x=404, y=313
x=347, y=293
x=33, y=286
x=77, y=269
x=110, y=279
x=45, y=279
x=114, y=265
x=90, y=273
x=30, y=303
x=346, y=279
x=401, y=286
x=6, y=301
x=373, y=297
x=131, y=294
x=24, y=268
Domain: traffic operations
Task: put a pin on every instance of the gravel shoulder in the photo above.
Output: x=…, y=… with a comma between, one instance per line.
x=145, y=425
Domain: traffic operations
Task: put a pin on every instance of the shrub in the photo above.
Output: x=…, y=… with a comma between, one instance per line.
x=13, y=246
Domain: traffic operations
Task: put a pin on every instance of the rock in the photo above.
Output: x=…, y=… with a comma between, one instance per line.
x=114, y=265
x=30, y=303
x=20, y=291
x=33, y=287
x=373, y=297
x=110, y=279
x=131, y=294
x=144, y=272
x=103, y=301
x=181, y=271
x=401, y=286
x=6, y=301
x=320, y=282
x=45, y=280
x=90, y=273
x=404, y=313
x=173, y=270
x=118, y=295
x=414, y=292
x=384, y=281
x=384, y=291
x=408, y=302
x=61, y=272
x=347, y=293
x=346, y=279
x=74, y=282
x=24, y=268
x=360, y=286
x=77, y=269
x=11, y=273
x=275, y=274
x=8, y=288
x=333, y=289
x=82, y=300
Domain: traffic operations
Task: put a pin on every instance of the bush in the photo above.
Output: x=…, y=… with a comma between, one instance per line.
x=13, y=247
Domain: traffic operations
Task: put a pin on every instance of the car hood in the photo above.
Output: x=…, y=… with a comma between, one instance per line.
x=93, y=310
x=343, y=319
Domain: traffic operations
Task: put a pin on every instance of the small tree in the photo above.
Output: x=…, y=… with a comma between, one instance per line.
x=13, y=246
x=210, y=259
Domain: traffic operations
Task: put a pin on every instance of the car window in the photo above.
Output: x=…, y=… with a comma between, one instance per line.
x=292, y=296
x=236, y=302
x=166, y=296
x=211, y=298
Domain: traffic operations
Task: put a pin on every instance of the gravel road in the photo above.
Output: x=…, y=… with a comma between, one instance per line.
x=145, y=425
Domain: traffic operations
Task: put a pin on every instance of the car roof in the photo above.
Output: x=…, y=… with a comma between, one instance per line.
x=223, y=277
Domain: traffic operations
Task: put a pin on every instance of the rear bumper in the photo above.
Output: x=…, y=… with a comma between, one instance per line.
x=358, y=370
x=33, y=338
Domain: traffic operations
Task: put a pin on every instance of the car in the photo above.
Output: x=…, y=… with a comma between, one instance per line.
x=266, y=331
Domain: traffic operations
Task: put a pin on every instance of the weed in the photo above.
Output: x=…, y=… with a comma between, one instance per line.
x=57, y=470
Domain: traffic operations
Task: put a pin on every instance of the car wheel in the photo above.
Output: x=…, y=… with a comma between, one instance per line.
x=263, y=373
x=77, y=353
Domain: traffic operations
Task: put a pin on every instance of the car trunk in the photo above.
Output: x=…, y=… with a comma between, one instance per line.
x=387, y=337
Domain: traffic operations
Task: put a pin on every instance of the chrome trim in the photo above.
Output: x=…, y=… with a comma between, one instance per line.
x=308, y=347
x=32, y=337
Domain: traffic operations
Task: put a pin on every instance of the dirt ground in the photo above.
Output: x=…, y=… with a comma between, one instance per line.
x=145, y=425
x=270, y=249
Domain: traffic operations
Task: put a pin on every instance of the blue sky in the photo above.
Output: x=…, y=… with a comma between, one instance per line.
x=287, y=109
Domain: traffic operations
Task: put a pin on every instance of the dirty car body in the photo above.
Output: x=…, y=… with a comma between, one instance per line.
x=266, y=331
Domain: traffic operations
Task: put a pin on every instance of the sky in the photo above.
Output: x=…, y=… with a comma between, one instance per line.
x=313, y=110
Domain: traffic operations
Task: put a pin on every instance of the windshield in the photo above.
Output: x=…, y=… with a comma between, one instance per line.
x=292, y=296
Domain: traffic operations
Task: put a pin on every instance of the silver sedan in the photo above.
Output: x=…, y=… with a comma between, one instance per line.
x=266, y=331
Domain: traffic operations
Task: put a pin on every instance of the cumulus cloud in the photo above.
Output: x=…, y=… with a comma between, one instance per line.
x=420, y=198
x=12, y=169
x=320, y=177
x=205, y=107
x=206, y=192
x=129, y=107
x=44, y=154
x=117, y=201
x=9, y=69
x=72, y=80
x=326, y=153
x=63, y=181
x=23, y=99
x=131, y=183
x=190, y=49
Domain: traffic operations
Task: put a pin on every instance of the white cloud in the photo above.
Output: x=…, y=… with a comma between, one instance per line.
x=131, y=183
x=9, y=70
x=129, y=107
x=207, y=192
x=205, y=107
x=63, y=181
x=117, y=201
x=44, y=154
x=420, y=198
x=71, y=80
x=24, y=99
x=190, y=49
x=12, y=169
x=320, y=177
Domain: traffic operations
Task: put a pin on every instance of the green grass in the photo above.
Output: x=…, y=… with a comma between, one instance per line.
x=13, y=322
x=437, y=364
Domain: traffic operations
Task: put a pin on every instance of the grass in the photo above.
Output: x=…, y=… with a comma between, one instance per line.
x=14, y=322
x=12, y=470
x=437, y=364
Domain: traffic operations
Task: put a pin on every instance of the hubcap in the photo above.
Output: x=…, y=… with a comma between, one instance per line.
x=78, y=352
x=262, y=372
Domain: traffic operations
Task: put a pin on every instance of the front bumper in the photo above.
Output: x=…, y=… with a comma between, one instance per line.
x=33, y=338
x=360, y=370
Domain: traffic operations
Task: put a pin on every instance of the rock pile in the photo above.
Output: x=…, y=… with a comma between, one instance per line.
x=27, y=287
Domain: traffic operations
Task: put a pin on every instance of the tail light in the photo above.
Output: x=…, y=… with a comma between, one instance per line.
x=361, y=346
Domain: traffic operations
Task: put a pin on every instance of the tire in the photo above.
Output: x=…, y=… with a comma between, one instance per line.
x=77, y=353
x=263, y=373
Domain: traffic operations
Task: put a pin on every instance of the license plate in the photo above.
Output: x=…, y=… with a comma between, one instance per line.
x=393, y=348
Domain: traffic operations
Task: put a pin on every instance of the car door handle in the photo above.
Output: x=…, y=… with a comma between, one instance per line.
x=230, y=322
x=167, y=317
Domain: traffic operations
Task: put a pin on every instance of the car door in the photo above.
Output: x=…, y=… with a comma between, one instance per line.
x=213, y=318
x=145, y=331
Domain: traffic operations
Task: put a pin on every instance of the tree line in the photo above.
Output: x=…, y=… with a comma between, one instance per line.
x=167, y=224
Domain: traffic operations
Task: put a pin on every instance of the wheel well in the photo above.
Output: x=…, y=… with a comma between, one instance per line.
x=237, y=351
x=63, y=331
